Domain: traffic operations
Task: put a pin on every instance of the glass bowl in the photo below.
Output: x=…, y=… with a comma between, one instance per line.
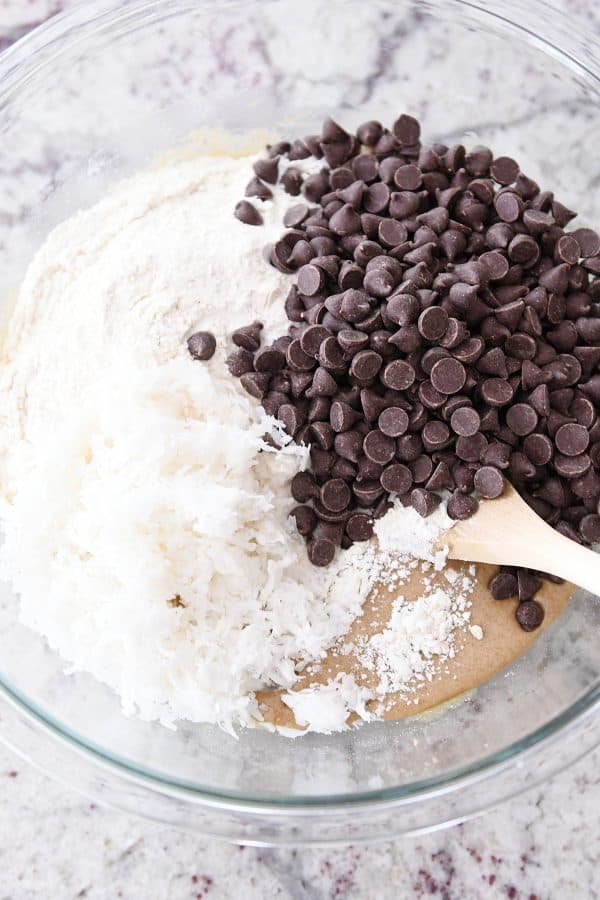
x=102, y=91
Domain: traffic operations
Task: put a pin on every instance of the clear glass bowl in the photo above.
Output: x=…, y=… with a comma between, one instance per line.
x=102, y=91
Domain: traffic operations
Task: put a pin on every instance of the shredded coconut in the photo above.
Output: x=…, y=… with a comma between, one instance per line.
x=326, y=707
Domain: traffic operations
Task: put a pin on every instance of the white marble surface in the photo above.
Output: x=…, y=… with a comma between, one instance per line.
x=56, y=844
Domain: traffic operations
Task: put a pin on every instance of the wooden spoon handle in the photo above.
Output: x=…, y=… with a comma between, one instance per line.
x=508, y=532
x=558, y=555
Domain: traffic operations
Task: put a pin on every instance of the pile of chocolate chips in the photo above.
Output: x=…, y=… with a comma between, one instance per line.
x=444, y=333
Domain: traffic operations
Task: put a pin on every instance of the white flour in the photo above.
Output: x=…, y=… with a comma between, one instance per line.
x=146, y=526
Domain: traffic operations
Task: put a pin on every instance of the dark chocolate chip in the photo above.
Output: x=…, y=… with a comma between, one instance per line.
x=489, y=482
x=393, y=421
x=433, y=322
x=306, y=520
x=365, y=365
x=448, y=376
x=256, y=188
x=359, y=527
x=398, y=375
x=572, y=439
x=407, y=129
x=379, y=447
x=530, y=615
x=588, y=240
x=521, y=419
x=424, y=502
x=202, y=345
x=462, y=506
x=304, y=487
x=247, y=213
x=267, y=169
x=465, y=421
x=496, y=392
x=503, y=586
x=269, y=359
x=335, y=495
x=321, y=551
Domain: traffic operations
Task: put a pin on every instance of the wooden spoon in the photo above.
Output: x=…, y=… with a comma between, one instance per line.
x=508, y=532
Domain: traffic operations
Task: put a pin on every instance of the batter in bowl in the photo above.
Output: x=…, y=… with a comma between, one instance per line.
x=146, y=493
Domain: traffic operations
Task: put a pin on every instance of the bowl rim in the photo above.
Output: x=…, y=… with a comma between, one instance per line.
x=539, y=24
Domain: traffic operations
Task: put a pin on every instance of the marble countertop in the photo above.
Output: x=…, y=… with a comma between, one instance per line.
x=56, y=844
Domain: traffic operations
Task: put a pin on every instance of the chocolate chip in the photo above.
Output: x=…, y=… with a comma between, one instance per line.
x=567, y=250
x=267, y=169
x=521, y=418
x=424, y=502
x=398, y=375
x=393, y=421
x=433, y=322
x=303, y=487
x=331, y=356
x=342, y=417
x=239, y=362
x=572, y=466
x=348, y=445
x=530, y=615
x=588, y=240
x=407, y=129
x=321, y=551
x=335, y=495
x=311, y=340
x=461, y=506
x=589, y=528
x=306, y=520
x=488, y=482
x=496, y=392
x=323, y=384
x=538, y=448
x=396, y=479
x=255, y=383
x=465, y=421
x=297, y=359
x=379, y=447
x=301, y=254
x=440, y=479
x=354, y=305
x=503, y=586
x=478, y=161
x=311, y=279
x=367, y=493
x=504, y=170
x=508, y=206
x=435, y=435
x=269, y=359
x=365, y=365
x=255, y=188
x=572, y=439
x=247, y=213
x=202, y=345
x=448, y=376
x=359, y=527
x=391, y=233
x=471, y=449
